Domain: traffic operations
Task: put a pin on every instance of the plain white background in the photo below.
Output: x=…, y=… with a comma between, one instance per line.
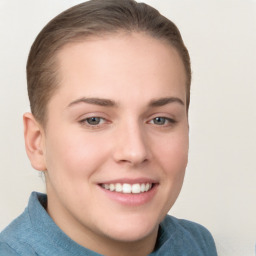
x=220, y=186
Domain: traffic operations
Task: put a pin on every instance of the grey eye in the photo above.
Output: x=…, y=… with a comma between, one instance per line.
x=159, y=120
x=93, y=120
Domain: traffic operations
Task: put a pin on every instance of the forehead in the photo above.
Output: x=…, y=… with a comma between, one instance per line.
x=120, y=62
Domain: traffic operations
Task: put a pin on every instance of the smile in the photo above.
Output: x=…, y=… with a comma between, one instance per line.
x=126, y=188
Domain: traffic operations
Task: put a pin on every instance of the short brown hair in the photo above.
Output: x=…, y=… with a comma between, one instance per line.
x=92, y=18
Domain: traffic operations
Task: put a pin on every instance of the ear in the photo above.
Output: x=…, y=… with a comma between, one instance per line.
x=34, y=142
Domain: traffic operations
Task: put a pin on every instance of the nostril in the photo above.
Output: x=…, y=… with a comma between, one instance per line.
x=133, y=161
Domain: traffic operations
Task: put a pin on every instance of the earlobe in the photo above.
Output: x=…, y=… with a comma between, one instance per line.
x=34, y=142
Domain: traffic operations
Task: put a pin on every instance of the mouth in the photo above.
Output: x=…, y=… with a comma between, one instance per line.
x=126, y=188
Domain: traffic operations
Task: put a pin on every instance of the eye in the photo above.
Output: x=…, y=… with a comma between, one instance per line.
x=162, y=121
x=93, y=121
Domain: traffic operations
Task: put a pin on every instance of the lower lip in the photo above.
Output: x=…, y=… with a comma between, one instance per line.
x=131, y=199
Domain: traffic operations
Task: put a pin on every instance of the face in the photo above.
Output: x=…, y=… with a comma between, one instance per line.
x=116, y=140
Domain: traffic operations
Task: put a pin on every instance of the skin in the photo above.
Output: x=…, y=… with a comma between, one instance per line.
x=131, y=72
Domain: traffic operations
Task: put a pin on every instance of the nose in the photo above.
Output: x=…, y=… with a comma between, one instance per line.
x=131, y=145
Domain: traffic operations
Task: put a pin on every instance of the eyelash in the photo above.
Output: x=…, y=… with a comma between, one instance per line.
x=88, y=119
x=166, y=122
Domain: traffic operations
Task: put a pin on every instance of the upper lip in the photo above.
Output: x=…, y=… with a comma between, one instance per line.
x=130, y=181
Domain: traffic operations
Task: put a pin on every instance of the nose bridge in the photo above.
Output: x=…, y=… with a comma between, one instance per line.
x=131, y=144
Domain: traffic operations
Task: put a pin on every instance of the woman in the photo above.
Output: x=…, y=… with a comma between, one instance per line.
x=109, y=88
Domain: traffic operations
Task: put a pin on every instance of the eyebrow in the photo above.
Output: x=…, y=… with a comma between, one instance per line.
x=164, y=101
x=110, y=103
x=94, y=101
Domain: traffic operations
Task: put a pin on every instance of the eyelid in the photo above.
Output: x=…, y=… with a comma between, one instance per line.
x=87, y=115
x=171, y=120
x=83, y=120
x=88, y=118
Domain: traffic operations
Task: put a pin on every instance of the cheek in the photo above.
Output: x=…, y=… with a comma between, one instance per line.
x=171, y=157
x=72, y=156
x=173, y=154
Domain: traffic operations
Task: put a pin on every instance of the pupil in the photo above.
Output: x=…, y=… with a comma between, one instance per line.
x=94, y=120
x=159, y=120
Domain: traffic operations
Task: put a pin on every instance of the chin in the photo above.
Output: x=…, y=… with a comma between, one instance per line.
x=133, y=230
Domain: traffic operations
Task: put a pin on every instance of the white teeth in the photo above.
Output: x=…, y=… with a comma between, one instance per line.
x=136, y=188
x=128, y=188
x=111, y=187
x=143, y=187
x=119, y=187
